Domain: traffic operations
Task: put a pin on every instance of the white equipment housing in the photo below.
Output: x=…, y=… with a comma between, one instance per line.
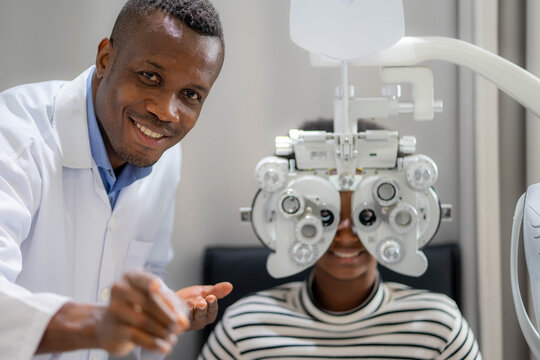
x=333, y=31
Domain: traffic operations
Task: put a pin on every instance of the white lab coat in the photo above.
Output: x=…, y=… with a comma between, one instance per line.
x=59, y=239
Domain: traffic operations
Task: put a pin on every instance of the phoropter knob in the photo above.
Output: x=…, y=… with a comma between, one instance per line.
x=407, y=145
x=390, y=251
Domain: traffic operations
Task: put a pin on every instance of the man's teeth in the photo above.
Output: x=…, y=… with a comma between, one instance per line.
x=346, y=255
x=148, y=132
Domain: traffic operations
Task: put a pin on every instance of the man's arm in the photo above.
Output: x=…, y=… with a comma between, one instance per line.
x=46, y=322
x=24, y=314
x=142, y=311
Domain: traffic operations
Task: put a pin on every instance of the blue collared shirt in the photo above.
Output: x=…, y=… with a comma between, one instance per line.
x=128, y=174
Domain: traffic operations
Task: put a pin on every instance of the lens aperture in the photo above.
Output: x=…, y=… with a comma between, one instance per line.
x=327, y=217
x=367, y=217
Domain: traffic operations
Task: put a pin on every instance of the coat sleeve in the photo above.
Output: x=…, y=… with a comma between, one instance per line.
x=25, y=315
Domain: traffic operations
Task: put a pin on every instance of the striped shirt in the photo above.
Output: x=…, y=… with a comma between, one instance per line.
x=396, y=322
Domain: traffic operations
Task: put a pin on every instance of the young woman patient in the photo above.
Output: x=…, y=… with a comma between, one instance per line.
x=343, y=311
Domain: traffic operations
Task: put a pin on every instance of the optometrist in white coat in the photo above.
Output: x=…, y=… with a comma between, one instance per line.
x=86, y=208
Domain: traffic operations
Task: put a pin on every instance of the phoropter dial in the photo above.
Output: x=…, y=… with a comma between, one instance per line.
x=271, y=173
x=303, y=254
x=390, y=251
x=420, y=172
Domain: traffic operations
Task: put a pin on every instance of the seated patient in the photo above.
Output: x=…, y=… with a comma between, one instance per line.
x=343, y=310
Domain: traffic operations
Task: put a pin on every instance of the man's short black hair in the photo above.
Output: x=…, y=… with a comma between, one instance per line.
x=322, y=124
x=199, y=15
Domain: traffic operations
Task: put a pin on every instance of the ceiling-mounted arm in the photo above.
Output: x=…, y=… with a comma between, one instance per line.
x=515, y=81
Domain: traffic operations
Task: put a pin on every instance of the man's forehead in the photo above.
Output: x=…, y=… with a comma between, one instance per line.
x=160, y=22
x=172, y=26
x=159, y=26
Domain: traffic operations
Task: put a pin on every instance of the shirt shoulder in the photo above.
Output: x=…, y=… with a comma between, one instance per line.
x=30, y=99
x=431, y=310
x=279, y=296
x=263, y=306
x=404, y=294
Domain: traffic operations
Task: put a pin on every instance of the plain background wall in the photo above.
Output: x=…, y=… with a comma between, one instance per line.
x=266, y=87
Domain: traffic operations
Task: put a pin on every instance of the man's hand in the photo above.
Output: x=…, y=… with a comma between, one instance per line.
x=202, y=300
x=142, y=311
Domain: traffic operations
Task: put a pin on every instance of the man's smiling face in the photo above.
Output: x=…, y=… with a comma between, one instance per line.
x=149, y=92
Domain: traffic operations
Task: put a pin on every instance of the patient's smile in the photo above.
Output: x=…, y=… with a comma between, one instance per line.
x=346, y=254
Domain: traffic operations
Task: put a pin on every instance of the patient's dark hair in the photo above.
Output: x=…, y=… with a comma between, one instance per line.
x=322, y=124
x=199, y=15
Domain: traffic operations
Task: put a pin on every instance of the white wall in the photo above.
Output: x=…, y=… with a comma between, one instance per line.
x=265, y=88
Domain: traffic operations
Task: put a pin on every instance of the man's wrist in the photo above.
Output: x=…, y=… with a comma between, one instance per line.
x=73, y=327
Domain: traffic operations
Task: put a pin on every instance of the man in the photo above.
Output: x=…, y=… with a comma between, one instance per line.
x=84, y=201
x=342, y=310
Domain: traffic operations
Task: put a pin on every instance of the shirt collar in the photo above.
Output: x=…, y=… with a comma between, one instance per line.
x=96, y=140
x=374, y=301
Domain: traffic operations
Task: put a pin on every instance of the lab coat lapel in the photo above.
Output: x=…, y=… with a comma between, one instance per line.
x=71, y=122
x=69, y=117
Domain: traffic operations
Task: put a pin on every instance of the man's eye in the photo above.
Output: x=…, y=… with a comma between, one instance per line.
x=151, y=76
x=192, y=96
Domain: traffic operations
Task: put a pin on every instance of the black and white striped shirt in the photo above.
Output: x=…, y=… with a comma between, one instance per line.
x=396, y=322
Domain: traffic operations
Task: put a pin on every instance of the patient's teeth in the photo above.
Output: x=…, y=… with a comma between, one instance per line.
x=346, y=255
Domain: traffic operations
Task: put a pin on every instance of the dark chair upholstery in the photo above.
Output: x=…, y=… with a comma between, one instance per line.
x=245, y=268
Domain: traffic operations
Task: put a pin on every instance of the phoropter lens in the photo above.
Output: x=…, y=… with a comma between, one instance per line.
x=386, y=191
x=327, y=217
x=403, y=218
x=290, y=204
x=367, y=217
x=309, y=231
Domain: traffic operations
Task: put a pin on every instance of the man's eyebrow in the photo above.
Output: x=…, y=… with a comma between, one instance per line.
x=201, y=88
x=156, y=65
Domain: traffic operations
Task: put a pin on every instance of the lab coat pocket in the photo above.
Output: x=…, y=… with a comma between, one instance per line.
x=137, y=254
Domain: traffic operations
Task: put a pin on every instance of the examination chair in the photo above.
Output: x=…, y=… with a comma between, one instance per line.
x=245, y=268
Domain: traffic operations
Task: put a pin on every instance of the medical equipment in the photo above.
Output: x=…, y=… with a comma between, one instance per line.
x=395, y=209
x=296, y=210
x=527, y=213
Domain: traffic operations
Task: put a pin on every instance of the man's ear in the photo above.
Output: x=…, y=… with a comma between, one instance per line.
x=104, y=57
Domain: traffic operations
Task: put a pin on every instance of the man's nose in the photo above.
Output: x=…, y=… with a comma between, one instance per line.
x=166, y=108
